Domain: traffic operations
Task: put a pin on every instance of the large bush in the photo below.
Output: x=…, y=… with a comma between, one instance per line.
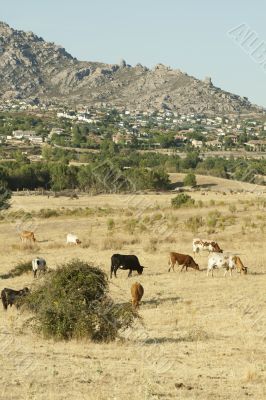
x=72, y=302
x=181, y=200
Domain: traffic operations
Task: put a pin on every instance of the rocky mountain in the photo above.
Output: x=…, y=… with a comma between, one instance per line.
x=33, y=68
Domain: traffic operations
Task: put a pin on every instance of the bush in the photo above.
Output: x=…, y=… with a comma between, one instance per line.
x=181, y=200
x=5, y=196
x=48, y=213
x=190, y=180
x=72, y=302
x=21, y=268
x=194, y=223
x=110, y=224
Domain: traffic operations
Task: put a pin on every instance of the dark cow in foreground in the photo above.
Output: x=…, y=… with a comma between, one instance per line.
x=181, y=259
x=10, y=296
x=121, y=261
x=137, y=291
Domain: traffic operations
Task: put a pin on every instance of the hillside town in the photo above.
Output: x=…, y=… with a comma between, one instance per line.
x=87, y=128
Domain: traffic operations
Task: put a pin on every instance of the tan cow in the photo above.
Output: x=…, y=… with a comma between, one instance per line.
x=137, y=291
x=181, y=259
x=27, y=235
x=239, y=265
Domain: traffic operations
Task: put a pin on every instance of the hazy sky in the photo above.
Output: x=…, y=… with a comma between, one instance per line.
x=188, y=34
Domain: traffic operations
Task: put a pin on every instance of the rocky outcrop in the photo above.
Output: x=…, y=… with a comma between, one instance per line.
x=33, y=68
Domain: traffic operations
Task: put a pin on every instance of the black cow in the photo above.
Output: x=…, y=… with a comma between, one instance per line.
x=130, y=262
x=10, y=296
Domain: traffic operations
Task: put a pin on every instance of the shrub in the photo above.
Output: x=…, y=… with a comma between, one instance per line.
x=48, y=213
x=5, y=196
x=21, y=268
x=194, y=223
x=213, y=218
x=190, y=180
x=72, y=302
x=232, y=208
x=182, y=199
x=110, y=224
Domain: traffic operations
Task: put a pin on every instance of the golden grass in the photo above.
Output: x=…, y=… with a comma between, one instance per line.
x=201, y=338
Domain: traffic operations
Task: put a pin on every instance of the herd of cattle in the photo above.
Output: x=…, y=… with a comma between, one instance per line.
x=217, y=259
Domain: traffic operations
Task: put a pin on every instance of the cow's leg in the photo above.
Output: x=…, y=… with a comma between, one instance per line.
x=35, y=273
x=130, y=273
x=115, y=269
x=183, y=266
x=171, y=265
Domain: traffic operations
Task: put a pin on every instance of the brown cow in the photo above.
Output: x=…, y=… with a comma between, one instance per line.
x=27, y=235
x=181, y=259
x=239, y=265
x=137, y=291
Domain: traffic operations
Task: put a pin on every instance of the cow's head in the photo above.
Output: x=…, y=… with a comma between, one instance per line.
x=140, y=269
x=245, y=270
x=216, y=247
x=196, y=266
x=24, y=291
x=78, y=241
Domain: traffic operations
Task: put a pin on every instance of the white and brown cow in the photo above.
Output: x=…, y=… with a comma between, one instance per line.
x=205, y=245
x=226, y=261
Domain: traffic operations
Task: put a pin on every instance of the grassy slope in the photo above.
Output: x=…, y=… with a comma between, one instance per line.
x=202, y=338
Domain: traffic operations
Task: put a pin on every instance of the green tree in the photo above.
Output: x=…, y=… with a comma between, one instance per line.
x=5, y=196
x=190, y=180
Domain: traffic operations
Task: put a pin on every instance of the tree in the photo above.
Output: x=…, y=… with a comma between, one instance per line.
x=190, y=180
x=5, y=196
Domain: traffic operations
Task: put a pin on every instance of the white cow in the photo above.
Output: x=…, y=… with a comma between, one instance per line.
x=228, y=262
x=72, y=239
x=38, y=265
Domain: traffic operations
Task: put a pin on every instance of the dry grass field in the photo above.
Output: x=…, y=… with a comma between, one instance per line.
x=200, y=337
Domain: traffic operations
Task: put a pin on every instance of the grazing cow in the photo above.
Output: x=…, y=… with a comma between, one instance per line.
x=239, y=265
x=27, y=235
x=10, y=296
x=181, y=259
x=130, y=262
x=38, y=265
x=205, y=245
x=228, y=262
x=137, y=291
x=72, y=239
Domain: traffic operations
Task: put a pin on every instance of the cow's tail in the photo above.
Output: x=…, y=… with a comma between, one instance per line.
x=4, y=299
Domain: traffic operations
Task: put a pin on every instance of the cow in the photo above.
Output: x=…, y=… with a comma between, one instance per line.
x=205, y=245
x=72, y=239
x=121, y=261
x=181, y=259
x=228, y=262
x=137, y=291
x=239, y=265
x=27, y=235
x=11, y=296
x=38, y=265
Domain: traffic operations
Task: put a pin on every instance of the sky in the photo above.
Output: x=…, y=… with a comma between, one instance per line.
x=199, y=37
